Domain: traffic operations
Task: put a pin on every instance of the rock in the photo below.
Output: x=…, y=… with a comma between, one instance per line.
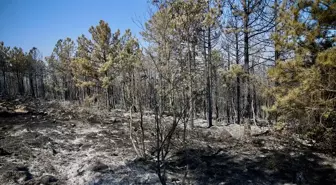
x=48, y=180
x=304, y=142
x=93, y=119
x=236, y=131
x=201, y=123
x=217, y=133
x=18, y=174
x=54, y=152
x=21, y=109
x=115, y=120
x=42, y=112
x=98, y=167
x=257, y=131
x=147, y=178
x=3, y=152
x=22, y=168
x=114, y=154
x=175, y=179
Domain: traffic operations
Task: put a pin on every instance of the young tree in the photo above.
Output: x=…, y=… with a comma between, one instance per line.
x=92, y=65
x=32, y=62
x=305, y=90
x=64, y=54
x=18, y=64
x=170, y=79
x=186, y=21
x=257, y=20
x=4, y=65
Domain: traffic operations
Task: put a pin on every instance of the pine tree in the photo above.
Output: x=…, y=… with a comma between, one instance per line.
x=306, y=87
x=18, y=64
x=4, y=65
x=92, y=65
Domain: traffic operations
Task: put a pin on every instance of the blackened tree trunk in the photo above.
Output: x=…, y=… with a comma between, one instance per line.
x=238, y=80
x=4, y=82
x=42, y=86
x=246, y=66
x=228, y=98
x=20, y=83
x=31, y=83
x=209, y=80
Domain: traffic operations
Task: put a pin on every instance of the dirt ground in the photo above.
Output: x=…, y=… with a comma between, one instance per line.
x=59, y=143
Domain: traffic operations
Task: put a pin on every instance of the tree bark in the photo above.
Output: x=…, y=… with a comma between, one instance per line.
x=42, y=86
x=31, y=84
x=228, y=99
x=238, y=79
x=209, y=80
x=4, y=81
x=191, y=106
x=246, y=63
x=276, y=50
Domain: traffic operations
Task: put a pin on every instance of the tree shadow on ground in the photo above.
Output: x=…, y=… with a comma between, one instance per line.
x=270, y=167
x=216, y=166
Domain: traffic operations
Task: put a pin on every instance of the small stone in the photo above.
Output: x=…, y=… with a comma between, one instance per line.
x=175, y=179
x=21, y=109
x=98, y=167
x=54, y=152
x=22, y=168
x=22, y=174
x=3, y=152
x=93, y=119
x=48, y=179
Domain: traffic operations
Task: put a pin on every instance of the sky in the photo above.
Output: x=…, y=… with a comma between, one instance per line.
x=41, y=23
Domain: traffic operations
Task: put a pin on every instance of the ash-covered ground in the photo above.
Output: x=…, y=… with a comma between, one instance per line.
x=61, y=143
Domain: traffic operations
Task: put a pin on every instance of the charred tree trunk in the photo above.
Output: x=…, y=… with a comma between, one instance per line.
x=42, y=86
x=31, y=80
x=191, y=106
x=209, y=98
x=228, y=99
x=20, y=83
x=4, y=82
x=246, y=67
x=238, y=80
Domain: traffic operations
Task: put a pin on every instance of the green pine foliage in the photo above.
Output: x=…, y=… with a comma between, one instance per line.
x=305, y=90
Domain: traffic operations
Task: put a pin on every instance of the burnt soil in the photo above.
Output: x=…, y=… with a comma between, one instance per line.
x=61, y=143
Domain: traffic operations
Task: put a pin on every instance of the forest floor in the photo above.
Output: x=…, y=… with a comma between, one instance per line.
x=60, y=143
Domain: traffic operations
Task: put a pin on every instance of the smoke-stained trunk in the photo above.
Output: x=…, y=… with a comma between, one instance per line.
x=209, y=79
x=31, y=84
x=4, y=81
x=238, y=80
x=246, y=66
